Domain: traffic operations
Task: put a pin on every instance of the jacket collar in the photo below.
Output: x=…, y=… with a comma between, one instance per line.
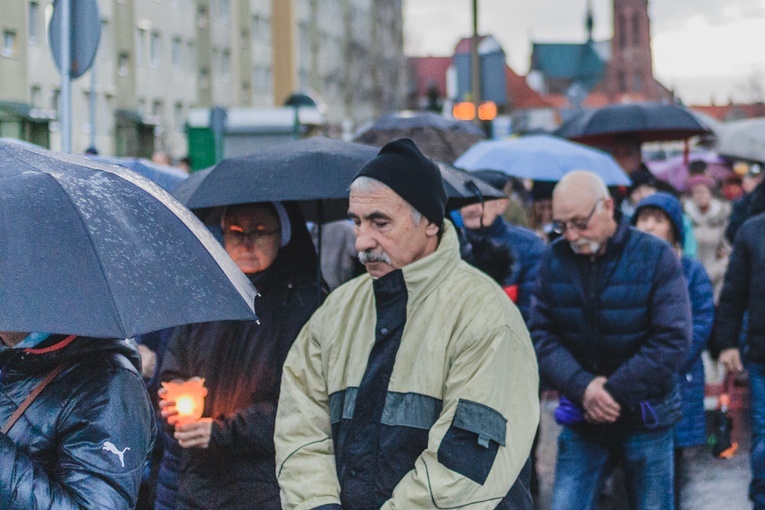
x=425, y=275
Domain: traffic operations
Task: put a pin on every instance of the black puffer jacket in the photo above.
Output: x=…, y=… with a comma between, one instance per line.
x=241, y=363
x=743, y=291
x=83, y=441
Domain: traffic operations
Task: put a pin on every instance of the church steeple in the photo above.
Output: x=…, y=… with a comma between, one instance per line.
x=590, y=23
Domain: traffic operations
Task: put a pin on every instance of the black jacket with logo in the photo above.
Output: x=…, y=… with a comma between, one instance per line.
x=83, y=441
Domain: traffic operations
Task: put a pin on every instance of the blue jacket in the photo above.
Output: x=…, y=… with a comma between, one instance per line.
x=626, y=315
x=526, y=249
x=692, y=427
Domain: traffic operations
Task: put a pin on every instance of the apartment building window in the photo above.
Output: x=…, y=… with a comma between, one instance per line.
x=140, y=46
x=191, y=56
x=142, y=106
x=225, y=63
x=123, y=63
x=55, y=95
x=155, y=49
x=204, y=78
x=34, y=22
x=157, y=108
x=9, y=44
x=179, y=118
x=176, y=53
x=202, y=17
x=35, y=96
x=225, y=10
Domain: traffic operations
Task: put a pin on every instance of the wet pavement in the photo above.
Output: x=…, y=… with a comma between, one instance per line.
x=709, y=484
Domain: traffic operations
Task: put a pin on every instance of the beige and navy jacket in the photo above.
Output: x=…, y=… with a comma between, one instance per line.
x=415, y=390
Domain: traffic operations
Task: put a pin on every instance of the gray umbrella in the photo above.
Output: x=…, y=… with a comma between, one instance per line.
x=97, y=250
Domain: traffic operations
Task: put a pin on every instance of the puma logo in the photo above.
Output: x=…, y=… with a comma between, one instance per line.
x=109, y=447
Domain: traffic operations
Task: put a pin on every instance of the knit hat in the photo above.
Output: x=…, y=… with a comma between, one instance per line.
x=670, y=206
x=403, y=168
x=703, y=180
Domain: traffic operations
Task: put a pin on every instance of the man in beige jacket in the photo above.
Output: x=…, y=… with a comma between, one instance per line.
x=414, y=385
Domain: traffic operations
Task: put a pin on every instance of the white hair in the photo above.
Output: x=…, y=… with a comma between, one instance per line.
x=366, y=185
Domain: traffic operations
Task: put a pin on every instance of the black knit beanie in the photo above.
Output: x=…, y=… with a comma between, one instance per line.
x=403, y=168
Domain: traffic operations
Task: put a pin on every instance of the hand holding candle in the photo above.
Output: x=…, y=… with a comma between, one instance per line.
x=183, y=402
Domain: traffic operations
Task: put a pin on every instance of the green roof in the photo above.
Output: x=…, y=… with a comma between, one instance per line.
x=575, y=62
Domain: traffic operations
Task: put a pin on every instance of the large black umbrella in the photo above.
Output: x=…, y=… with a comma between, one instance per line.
x=315, y=172
x=648, y=122
x=98, y=250
x=437, y=137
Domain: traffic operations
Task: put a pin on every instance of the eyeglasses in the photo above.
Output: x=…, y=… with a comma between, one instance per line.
x=560, y=227
x=236, y=235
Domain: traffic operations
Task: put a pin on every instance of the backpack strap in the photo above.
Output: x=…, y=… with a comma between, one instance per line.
x=35, y=392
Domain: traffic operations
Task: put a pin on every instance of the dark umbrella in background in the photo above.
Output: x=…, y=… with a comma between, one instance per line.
x=648, y=122
x=98, y=250
x=438, y=138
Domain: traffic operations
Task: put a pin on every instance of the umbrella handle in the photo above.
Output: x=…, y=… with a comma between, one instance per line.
x=471, y=186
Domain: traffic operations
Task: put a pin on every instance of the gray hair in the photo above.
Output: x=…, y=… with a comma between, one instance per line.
x=366, y=185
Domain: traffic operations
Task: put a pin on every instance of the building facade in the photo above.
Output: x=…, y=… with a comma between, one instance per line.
x=159, y=58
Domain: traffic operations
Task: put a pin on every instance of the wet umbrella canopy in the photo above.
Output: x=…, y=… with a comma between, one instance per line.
x=542, y=158
x=97, y=250
x=314, y=172
x=437, y=137
x=648, y=122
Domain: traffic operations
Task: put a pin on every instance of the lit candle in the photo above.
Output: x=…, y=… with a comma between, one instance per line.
x=189, y=398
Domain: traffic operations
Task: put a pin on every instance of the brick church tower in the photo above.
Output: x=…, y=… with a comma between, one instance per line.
x=629, y=75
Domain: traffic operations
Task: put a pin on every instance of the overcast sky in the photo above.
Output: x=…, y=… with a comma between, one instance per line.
x=704, y=49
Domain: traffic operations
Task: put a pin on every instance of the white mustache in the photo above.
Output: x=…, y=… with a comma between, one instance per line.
x=366, y=257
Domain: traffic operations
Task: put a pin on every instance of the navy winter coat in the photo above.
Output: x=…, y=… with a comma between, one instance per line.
x=626, y=316
x=743, y=290
x=691, y=430
x=526, y=249
x=83, y=441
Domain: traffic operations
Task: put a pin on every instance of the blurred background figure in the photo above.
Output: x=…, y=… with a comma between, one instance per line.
x=162, y=158
x=541, y=210
x=709, y=217
x=751, y=203
x=661, y=214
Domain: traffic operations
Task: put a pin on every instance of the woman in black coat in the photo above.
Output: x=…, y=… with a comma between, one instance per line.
x=227, y=457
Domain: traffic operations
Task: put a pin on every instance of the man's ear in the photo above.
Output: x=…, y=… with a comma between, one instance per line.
x=432, y=229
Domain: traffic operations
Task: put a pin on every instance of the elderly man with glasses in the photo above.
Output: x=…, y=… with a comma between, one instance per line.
x=611, y=323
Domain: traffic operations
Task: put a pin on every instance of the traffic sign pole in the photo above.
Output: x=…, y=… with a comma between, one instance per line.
x=66, y=81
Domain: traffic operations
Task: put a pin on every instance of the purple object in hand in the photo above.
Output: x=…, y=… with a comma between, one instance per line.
x=568, y=413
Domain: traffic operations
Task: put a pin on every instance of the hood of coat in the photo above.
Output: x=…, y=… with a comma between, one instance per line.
x=59, y=349
x=669, y=205
x=296, y=259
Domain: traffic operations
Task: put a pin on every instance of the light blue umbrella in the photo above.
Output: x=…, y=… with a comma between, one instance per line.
x=542, y=158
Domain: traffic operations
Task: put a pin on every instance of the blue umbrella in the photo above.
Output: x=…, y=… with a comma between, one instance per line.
x=542, y=158
x=166, y=176
x=97, y=250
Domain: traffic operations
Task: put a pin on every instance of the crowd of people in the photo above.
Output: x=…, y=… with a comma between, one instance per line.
x=417, y=384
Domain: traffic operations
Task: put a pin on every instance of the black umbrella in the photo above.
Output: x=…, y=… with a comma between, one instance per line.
x=315, y=172
x=437, y=137
x=97, y=250
x=648, y=122
x=463, y=188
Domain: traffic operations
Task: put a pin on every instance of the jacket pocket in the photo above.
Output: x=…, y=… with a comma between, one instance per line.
x=471, y=443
